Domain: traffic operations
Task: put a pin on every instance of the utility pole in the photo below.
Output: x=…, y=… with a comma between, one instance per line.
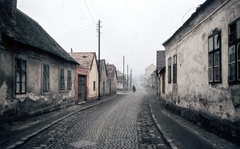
x=99, y=69
x=127, y=77
x=123, y=71
x=130, y=78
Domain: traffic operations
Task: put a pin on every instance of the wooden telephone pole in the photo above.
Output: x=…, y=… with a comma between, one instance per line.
x=99, y=65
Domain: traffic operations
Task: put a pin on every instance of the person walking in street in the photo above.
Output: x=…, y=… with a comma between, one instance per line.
x=134, y=88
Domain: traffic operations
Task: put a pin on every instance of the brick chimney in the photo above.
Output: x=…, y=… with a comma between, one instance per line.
x=9, y=7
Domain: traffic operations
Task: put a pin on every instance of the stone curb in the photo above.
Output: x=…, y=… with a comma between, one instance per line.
x=166, y=137
x=26, y=138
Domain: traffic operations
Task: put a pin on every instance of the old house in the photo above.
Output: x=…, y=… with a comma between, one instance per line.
x=36, y=73
x=203, y=61
x=150, y=76
x=160, y=61
x=86, y=76
x=104, y=85
x=112, y=78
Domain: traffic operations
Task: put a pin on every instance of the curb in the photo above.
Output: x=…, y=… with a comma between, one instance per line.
x=28, y=137
x=166, y=137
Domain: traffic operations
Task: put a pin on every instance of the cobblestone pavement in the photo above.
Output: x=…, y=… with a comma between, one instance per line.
x=148, y=134
x=114, y=124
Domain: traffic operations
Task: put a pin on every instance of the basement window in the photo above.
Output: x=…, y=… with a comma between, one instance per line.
x=214, y=57
x=234, y=53
x=20, y=76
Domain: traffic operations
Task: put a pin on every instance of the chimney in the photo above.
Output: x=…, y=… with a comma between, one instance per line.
x=9, y=7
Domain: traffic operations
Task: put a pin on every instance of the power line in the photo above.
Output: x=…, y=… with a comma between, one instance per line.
x=89, y=11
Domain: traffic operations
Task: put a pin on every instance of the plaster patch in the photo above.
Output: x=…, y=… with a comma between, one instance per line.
x=31, y=96
x=3, y=93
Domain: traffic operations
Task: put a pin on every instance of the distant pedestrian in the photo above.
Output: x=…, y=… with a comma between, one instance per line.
x=134, y=88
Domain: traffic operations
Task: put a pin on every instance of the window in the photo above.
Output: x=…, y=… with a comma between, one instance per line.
x=21, y=76
x=234, y=52
x=175, y=69
x=214, y=57
x=94, y=85
x=45, y=78
x=163, y=83
x=62, y=83
x=169, y=69
x=69, y=81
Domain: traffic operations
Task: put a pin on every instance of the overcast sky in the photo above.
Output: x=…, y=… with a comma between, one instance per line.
x=134, y=28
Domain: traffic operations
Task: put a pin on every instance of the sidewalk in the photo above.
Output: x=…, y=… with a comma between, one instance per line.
x=180, y=133
x=16, y=133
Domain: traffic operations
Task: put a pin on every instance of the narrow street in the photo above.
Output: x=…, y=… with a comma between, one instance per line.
x=123, y=121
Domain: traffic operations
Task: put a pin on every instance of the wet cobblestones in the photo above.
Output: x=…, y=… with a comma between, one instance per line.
x=148, y=134
x=124, y=122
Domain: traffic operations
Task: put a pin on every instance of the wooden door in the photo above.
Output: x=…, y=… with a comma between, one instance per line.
x=81, y=88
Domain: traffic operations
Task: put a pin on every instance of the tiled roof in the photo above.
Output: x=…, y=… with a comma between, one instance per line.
x=85, y=59
x=23, y=29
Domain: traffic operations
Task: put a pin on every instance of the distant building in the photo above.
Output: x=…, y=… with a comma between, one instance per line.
x=150, y=76
x=36, y=73
x=122, y=81
x=112, y=78
x=104, y=85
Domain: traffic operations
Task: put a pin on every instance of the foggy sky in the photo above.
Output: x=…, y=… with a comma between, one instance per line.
x=134, y=28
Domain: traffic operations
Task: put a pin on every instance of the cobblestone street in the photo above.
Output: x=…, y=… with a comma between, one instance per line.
x=123, y=122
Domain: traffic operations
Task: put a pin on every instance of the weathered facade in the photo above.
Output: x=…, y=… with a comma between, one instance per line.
x=203, y=61
x=112, y=78
x=104, y=85
x=86, y=76
x=36, y=74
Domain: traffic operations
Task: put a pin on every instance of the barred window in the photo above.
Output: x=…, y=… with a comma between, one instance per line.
x=20, y=76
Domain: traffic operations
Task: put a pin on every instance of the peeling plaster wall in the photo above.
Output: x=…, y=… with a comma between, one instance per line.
x=93, y=76
x=35, y=101
x=192, y=89
x=5, y=79
x=104, y=90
